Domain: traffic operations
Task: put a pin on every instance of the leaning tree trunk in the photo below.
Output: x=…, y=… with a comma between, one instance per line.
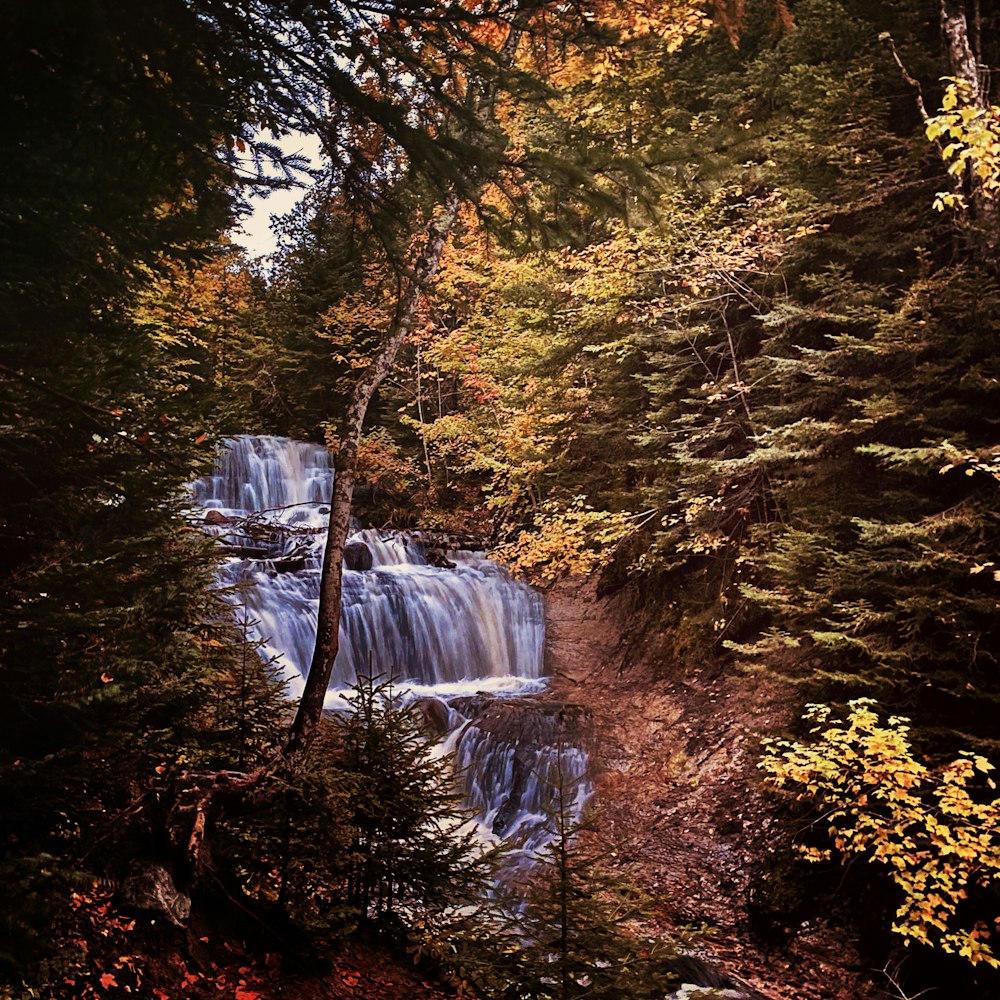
x=310, y=708
x=482, y=101
x=199, y=797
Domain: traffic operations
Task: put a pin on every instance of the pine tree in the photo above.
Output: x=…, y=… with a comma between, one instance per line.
x=575, y=931
x=409, y=856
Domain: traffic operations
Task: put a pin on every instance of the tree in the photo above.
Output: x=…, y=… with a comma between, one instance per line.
x=135, y=134
x=576, y=930
x=934, y=831
x=409, y=859
x=481, y=100
x=112, y=638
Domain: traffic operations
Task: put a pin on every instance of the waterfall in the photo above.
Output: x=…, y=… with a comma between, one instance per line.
x=466, y=637
x=418, y=622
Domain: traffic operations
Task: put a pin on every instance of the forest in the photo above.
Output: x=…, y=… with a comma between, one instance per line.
x=666, y=332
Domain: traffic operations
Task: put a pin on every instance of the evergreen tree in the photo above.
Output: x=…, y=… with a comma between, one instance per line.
x=409, y=856
x=575, y=933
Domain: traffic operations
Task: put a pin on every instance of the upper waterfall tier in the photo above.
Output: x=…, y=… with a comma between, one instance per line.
x=285, y=478
x=402, y=616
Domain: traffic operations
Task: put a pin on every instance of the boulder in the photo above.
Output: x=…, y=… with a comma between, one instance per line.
x=216, y=517
x=150, y=888
x=357, y=556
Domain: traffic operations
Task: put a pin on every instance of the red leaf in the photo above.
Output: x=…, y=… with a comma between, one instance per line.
x=108, y=980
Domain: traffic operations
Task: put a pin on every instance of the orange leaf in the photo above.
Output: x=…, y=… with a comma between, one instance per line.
x=108, y=980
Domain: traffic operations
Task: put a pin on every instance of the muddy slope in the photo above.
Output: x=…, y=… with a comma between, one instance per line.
x=674, y=762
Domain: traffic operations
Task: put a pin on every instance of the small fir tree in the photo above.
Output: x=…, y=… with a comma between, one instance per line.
x=575, y=934
x=410, y=859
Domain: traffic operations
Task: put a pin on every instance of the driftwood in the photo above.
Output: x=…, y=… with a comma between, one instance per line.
x=198, y=794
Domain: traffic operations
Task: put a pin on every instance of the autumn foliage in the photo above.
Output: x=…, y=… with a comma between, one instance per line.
x=935, y=829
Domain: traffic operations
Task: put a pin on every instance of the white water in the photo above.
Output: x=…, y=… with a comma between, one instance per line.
x=414, y=621
x=444, y=633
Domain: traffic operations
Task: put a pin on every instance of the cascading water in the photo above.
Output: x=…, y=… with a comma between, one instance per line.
x=418, y=622
x=448, y=633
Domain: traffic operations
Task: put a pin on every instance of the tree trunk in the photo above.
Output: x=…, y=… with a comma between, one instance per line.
x=965, y=66
x=310, y=708
x=482, y=101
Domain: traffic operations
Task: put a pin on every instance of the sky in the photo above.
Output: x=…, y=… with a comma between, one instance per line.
x=254, y=233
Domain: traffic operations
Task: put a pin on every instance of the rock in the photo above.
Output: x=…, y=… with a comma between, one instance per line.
x=291, y=565
x=436, y=557
x=436, y=714
x=526, y=722
x=216, y=517
x=150, y=888
x=357, y=556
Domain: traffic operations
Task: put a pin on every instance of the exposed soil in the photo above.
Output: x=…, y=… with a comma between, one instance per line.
x=674, y=751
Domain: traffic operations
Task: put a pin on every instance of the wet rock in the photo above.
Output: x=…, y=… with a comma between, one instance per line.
x=293, y=565
x=150, y=888
x=526, y=721
x=357, y=556
x=437, y=557
x=436, y=715
x=216, y=517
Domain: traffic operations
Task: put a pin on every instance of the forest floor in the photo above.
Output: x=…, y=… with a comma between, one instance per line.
x=673, y=757
x=125, y=956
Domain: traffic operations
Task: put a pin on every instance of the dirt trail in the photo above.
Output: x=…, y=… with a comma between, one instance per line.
x=674, y=762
